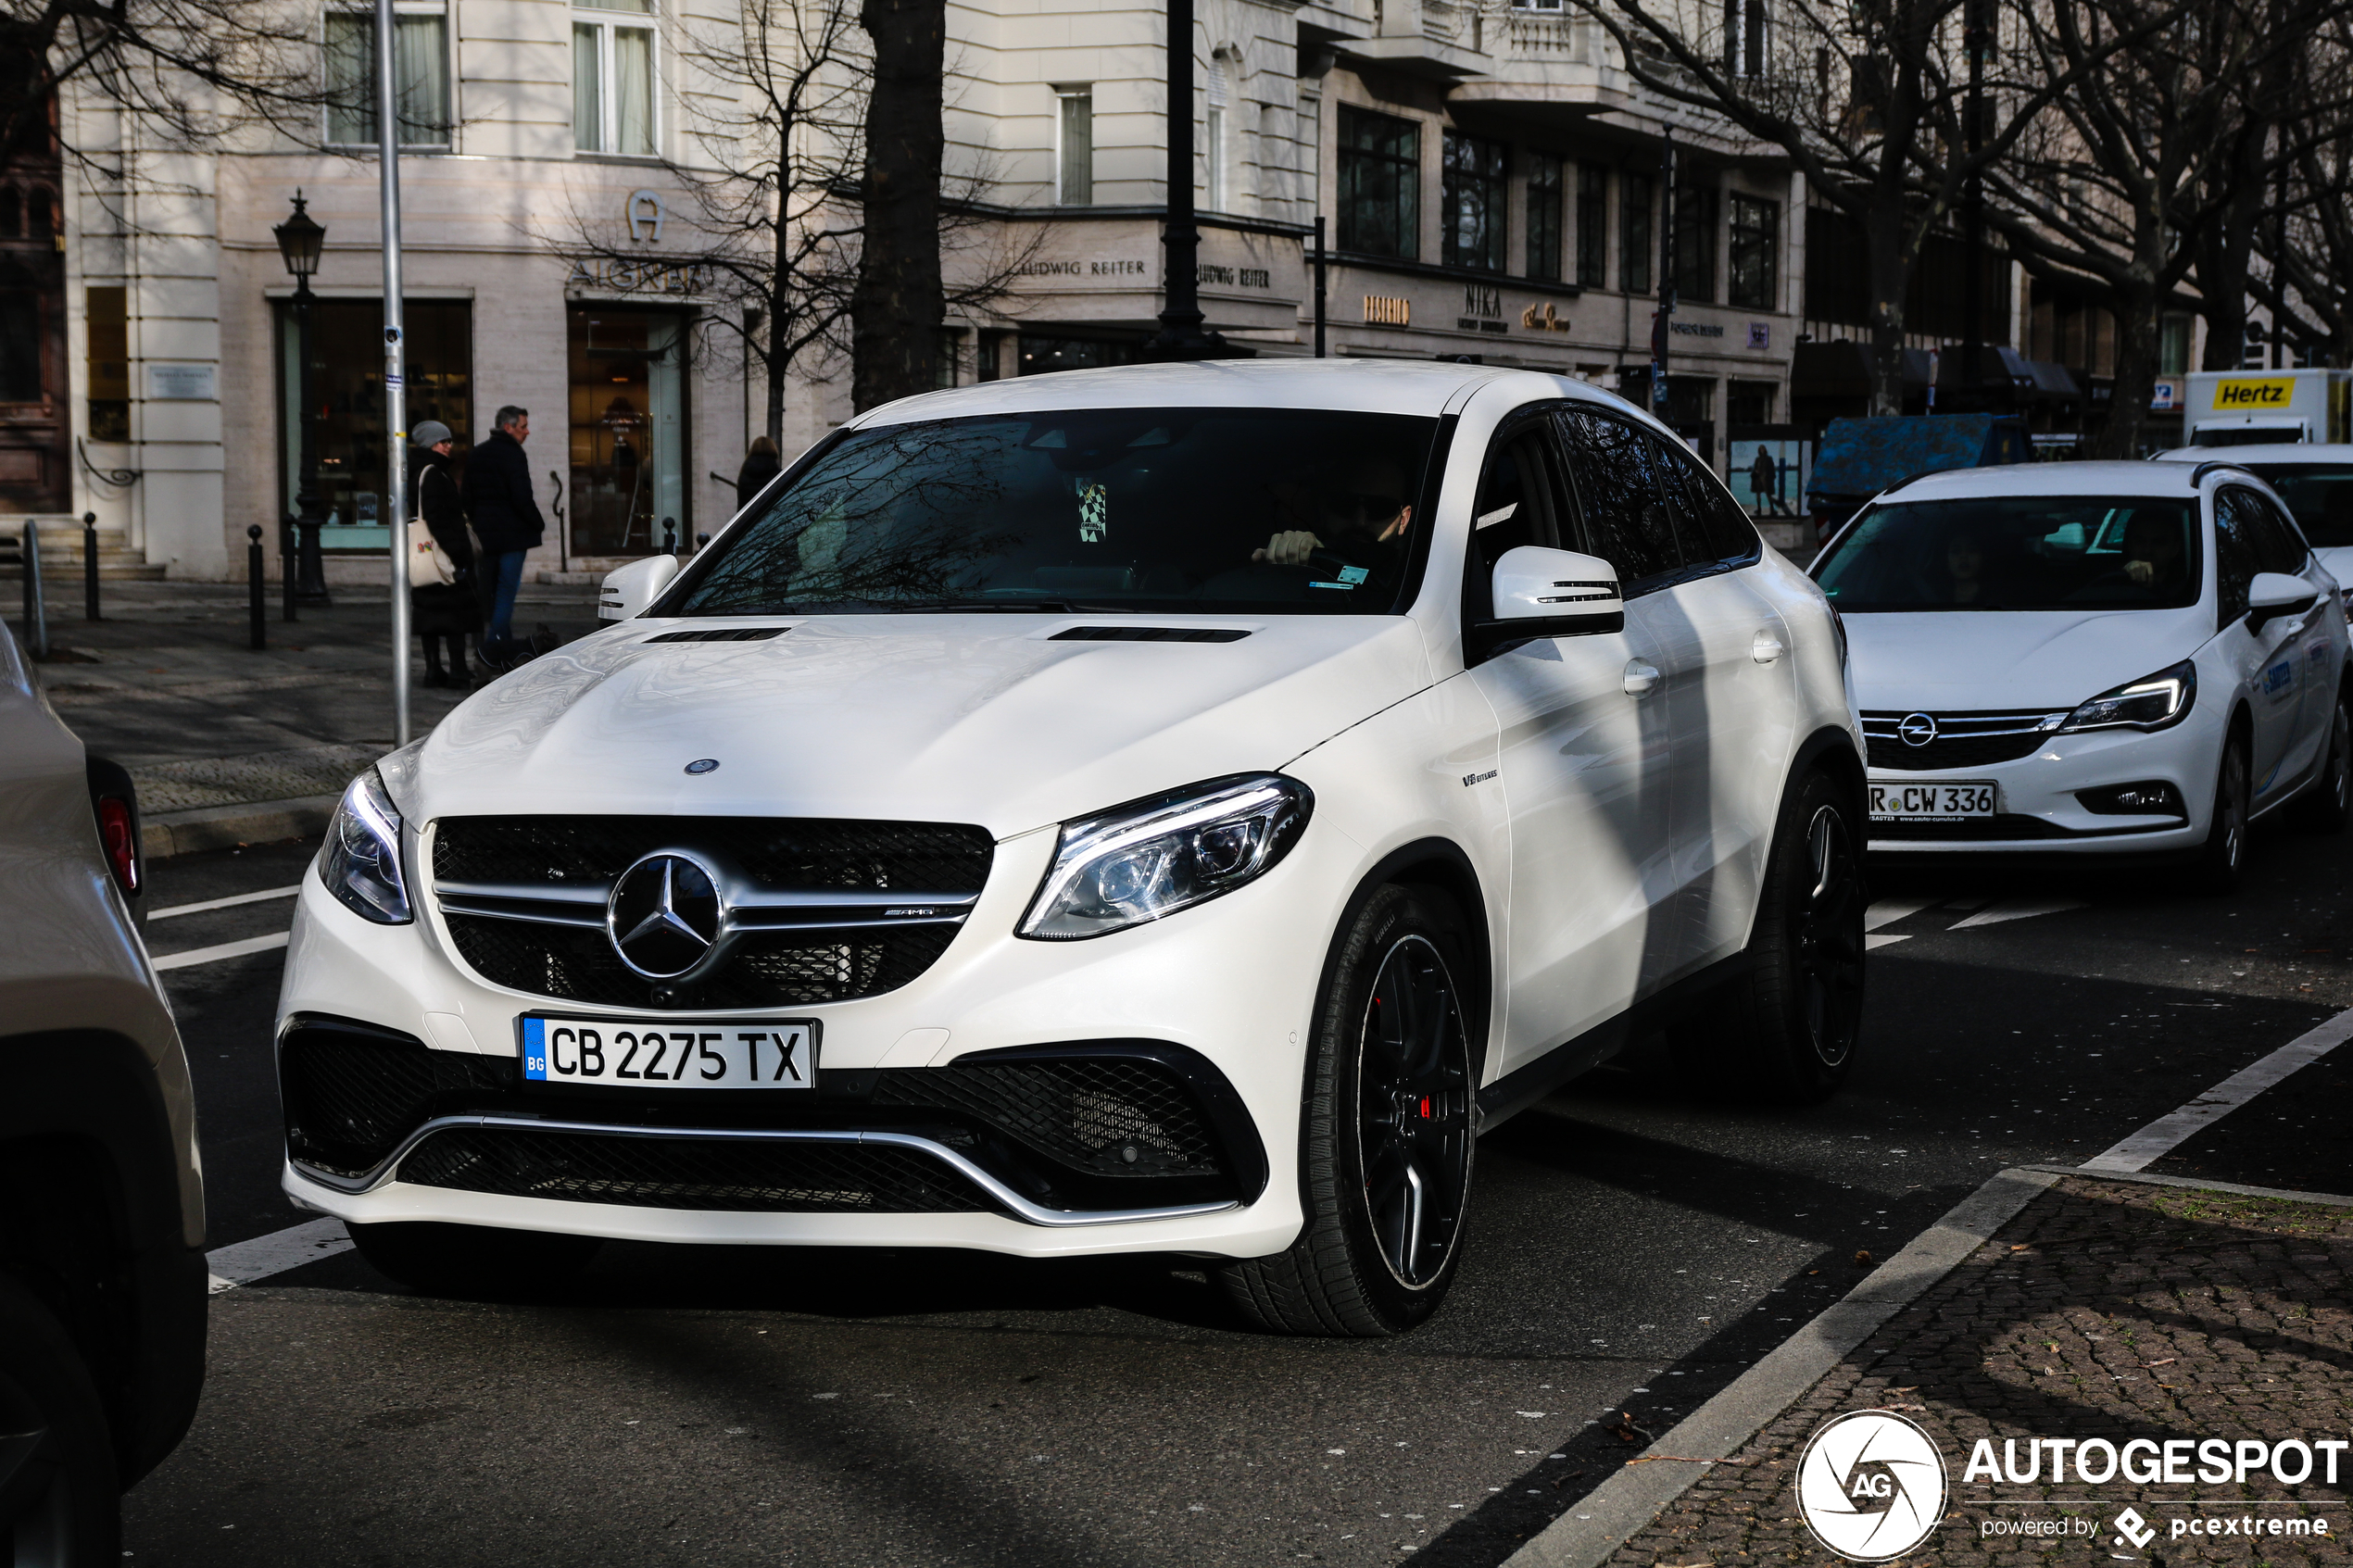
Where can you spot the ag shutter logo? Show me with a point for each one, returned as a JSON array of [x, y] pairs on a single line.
[[1870, 1486]]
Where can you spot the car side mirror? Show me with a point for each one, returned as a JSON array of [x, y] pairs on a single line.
[[1542, 593], [626, 592], [2273, 594]]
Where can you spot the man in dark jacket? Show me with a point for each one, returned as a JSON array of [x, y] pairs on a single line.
[[505, 519]]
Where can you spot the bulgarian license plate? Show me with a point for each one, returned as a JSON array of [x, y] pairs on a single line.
[[1932, 802], [703, 1055]]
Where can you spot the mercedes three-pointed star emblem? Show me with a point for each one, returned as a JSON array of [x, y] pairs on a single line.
[[665, 915]]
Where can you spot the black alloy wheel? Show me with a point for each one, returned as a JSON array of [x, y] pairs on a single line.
[[1412, 1119], [2223, 857], [1386, 1130], [59, 1497], [1786, 1030], [2323, 807]]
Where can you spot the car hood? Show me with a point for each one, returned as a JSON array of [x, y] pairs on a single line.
[[1964, 660], [983, 718]]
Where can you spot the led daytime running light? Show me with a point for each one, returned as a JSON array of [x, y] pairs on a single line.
[[2150, 703], [1152, 858]]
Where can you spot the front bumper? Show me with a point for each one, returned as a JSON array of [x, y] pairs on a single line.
[[2038, 806], [1228, 986]]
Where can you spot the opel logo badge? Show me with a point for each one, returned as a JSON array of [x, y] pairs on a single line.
[[665, 915], [1917, 729]]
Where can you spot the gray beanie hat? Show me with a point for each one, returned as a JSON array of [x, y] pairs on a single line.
[[430, 433]]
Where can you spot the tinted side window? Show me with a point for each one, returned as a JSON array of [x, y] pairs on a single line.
[[2234, 554], [1711, 524], [2278, 546], [1519, 503], [1626, 519]]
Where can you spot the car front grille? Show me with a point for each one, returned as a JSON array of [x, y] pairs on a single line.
[[739, 1176], [1963, 740], [523, 898], [1116, 1116], [352, 1094]]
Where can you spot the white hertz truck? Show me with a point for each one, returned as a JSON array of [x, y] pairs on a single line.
[[2248, 408]]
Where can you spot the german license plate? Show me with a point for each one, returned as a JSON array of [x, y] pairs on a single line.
[[1949, 802], [703, 1055]]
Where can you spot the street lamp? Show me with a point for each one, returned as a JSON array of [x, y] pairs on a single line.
[[300, 240], [1182, 334]]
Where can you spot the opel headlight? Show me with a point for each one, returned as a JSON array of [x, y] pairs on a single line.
[[2150, 703], [360, 862], [1151, 858]]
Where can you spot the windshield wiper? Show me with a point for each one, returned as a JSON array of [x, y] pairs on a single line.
[[1056, 606]]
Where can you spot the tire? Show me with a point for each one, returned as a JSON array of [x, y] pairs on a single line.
[[2322, 808], [2223, 858], [60, 1494], [1785, 1032], [1386, 1134], [472, 1260]]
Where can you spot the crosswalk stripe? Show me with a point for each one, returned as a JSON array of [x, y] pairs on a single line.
[[228, 903], [223, 950], [245, 1261]]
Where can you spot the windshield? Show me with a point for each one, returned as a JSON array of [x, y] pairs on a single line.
[[1222, 511], [2017, 552], [2321, 494]]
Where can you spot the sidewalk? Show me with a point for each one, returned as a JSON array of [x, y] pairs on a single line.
[[231, 746], [2107, 1309]]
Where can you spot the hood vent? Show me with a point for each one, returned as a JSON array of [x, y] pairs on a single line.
[[1149, 635], [723, 634]]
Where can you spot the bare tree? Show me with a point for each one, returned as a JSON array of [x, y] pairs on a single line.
[[2305, 233], [1866, 97]]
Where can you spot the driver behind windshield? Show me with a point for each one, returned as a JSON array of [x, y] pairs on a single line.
[[1356, 511], [2153, 556]]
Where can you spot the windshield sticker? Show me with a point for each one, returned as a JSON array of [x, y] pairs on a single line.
[[1501, 514], [1350, 576], [1094, 512]]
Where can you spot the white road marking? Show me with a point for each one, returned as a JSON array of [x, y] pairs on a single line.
[[246, 1262], [1887, 911], [1869, 942], [221, 950], [231, 902], [2166, 1133], [2017, 908]]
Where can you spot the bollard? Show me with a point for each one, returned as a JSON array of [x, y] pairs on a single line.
[[89, 566], [670, 535], [36, 614], [286, 561], [257, 582], [700, 540]]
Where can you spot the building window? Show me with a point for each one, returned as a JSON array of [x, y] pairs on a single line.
[[420, 73], [108, 325], [1381, 173], [1756, 231], [612, 79], [1214, 152], [1696, 244], [346, 379], [2172, 344], [1636, 203], [1592, 225], [1476, 194], [1547, 215], [1744, 38], [1551, 7], [629, 446], [1074, 147]]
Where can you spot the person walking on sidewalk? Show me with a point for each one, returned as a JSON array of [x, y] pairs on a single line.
[[763, 463], [441, 611], [505, 519]]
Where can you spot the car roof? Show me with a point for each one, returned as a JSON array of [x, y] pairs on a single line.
[[1378, 386], [2266, 454], [2085, 479]]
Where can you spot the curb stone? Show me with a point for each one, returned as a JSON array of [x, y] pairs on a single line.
[[1612, 1512], [167, 833]]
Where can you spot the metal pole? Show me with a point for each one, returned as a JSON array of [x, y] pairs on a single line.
[[286, 566], [36, 613], [1181, 335], [89, 566], [1320, 285], [1661, 323], [396, 367], [310, 566], [1972, 219], [257, 576]]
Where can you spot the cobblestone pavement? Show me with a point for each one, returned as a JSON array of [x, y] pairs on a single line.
[[2104, 1310]]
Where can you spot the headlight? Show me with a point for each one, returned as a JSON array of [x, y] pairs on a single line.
[[1151, 858], [2150, 703], [360, 862]]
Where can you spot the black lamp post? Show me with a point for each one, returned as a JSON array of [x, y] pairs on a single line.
[[300, 240], [1182, 336]]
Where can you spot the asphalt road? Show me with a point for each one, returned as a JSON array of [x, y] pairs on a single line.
[[1633, 1246]]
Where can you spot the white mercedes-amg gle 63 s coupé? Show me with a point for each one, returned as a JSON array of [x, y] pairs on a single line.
[[1165, 810]]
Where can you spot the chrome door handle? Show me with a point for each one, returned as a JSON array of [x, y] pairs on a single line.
[[1767, 647], [1640, 677]]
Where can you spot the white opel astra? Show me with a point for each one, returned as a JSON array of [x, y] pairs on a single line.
[[2120, 659], [1170, 810]]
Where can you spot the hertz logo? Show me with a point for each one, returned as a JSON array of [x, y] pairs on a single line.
[[2271, 391]]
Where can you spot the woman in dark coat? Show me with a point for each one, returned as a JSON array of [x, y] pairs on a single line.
[[761, 464], [441, 611]]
